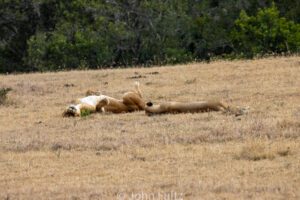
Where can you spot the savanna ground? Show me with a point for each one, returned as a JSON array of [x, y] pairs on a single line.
[[133, 156]]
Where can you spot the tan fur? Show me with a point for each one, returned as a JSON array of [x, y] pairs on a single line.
[[130, 102], [190, 107]]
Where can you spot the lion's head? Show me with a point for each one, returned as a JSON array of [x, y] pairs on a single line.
[[71, 111]]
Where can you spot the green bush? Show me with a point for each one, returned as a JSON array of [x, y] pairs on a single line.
[[3, 94], [68, 49], [177, 55], [265, 33]]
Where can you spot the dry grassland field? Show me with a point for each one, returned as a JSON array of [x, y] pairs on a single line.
[[133, 156]]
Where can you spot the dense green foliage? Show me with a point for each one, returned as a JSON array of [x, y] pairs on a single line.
[[51, 34], [265, 33]]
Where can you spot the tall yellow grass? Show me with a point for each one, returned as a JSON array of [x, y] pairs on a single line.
[[190, 156]]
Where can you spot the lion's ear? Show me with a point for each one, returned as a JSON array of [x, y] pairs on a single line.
[[66, 114], [149, 104], [89, 92], [92, 92]]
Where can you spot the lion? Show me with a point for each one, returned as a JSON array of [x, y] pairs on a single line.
[[192, 107], [130, 102]]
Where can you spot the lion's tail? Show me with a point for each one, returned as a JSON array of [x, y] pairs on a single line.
[[235, 110]]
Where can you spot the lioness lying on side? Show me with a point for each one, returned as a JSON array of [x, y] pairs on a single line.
[[191, 107], [131, 101]]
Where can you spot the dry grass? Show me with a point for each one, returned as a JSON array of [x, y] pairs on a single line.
[[193, 156], [260, 149]]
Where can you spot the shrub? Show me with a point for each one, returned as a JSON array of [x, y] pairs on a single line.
[[3, 94], [265, 33], [68, 48]]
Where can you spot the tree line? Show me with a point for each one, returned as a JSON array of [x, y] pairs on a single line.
[[49, 35]]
